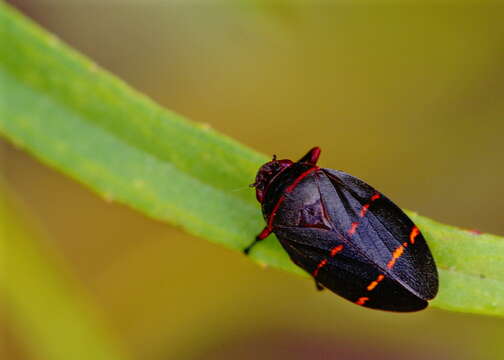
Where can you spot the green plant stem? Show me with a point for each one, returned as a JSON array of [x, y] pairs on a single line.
[[89, 125]]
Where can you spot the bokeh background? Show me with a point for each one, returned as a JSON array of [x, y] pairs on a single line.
[[408, 97]]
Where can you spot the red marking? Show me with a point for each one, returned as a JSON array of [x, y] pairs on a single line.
[[323, 263], [336, 250], [405, 244], [319, 266], [314, 155], [264, 234], [395, 255], [301, 177], [364, 210], [375, 283], [375, 197], [475, 232], [289, 189], [414, 233], [365, 207], [260, 194], [273, 213], [352, 230], [362, 300]]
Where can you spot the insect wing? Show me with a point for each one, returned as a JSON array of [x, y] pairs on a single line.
[[347, 273], [380, 230]]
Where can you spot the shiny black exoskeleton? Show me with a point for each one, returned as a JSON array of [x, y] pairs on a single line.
[[351, 238]]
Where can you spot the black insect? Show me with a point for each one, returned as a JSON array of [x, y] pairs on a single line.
[[351, 238]]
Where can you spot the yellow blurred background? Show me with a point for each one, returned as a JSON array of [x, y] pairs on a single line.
[[408, 97]]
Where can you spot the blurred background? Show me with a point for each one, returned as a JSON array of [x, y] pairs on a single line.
[[408, 97]]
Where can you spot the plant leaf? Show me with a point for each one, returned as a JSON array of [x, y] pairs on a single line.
[[91, 126], [471, 267]]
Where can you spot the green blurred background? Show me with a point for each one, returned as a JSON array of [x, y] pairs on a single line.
[[408, 97]]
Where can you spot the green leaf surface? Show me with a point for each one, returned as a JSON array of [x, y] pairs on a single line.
[[86, 123], [50, 313]]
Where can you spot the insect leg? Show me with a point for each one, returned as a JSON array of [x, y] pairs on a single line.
[[318, 285], [263, 235]]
